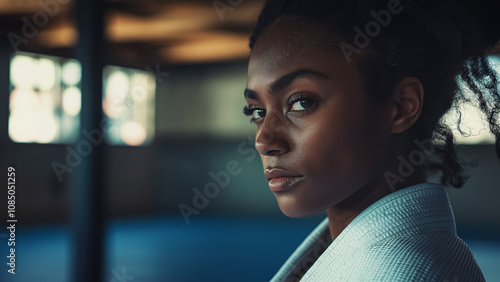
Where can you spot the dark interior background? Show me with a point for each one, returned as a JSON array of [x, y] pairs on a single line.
[[199, 128]]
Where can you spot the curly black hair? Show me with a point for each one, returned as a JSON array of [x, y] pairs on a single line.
[[441, 42]]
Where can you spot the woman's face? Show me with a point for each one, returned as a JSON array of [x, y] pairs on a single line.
[[319, 136]]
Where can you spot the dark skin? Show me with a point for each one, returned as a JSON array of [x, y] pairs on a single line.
[[315, 120]]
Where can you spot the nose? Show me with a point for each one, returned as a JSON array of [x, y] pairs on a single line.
[[271, 138]]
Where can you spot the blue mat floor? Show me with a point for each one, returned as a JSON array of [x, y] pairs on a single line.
[[166, 249]]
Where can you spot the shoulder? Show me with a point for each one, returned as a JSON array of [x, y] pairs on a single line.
[[436, 256]]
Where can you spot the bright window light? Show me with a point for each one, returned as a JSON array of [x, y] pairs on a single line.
[[36, 114], [46, 100], [473, 121], [72, 101], [72, 73], [128, 103]]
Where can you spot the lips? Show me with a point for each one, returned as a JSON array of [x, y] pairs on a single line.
[[280, 180]]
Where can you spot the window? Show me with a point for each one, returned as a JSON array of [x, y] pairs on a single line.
[[473, 121], [45, 101], [128, 103]]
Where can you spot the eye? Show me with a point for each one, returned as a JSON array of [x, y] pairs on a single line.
[[258, 113], [255, 113], [301, 105]]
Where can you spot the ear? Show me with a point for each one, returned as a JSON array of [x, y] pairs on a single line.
[[408, 98]]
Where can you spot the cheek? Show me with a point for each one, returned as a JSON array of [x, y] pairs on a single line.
[[340, 152]]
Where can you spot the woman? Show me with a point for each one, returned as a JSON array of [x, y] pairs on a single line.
[[347, 97]]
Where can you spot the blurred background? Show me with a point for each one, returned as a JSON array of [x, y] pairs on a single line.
[[182, 191]]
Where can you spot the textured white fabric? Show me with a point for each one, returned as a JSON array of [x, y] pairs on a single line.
[[409, 235]]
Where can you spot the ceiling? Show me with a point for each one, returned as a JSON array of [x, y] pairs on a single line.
[[148, 31]]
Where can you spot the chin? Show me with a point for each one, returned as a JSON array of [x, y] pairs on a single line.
[[296, 209]]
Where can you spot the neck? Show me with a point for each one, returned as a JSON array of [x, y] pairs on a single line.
[[340, 215]]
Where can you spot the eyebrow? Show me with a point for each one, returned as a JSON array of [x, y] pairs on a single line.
[[284, 81]]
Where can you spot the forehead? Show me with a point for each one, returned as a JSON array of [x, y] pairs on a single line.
[[284, 43], [286, 46]]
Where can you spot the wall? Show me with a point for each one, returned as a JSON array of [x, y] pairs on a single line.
[[201, 129]]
